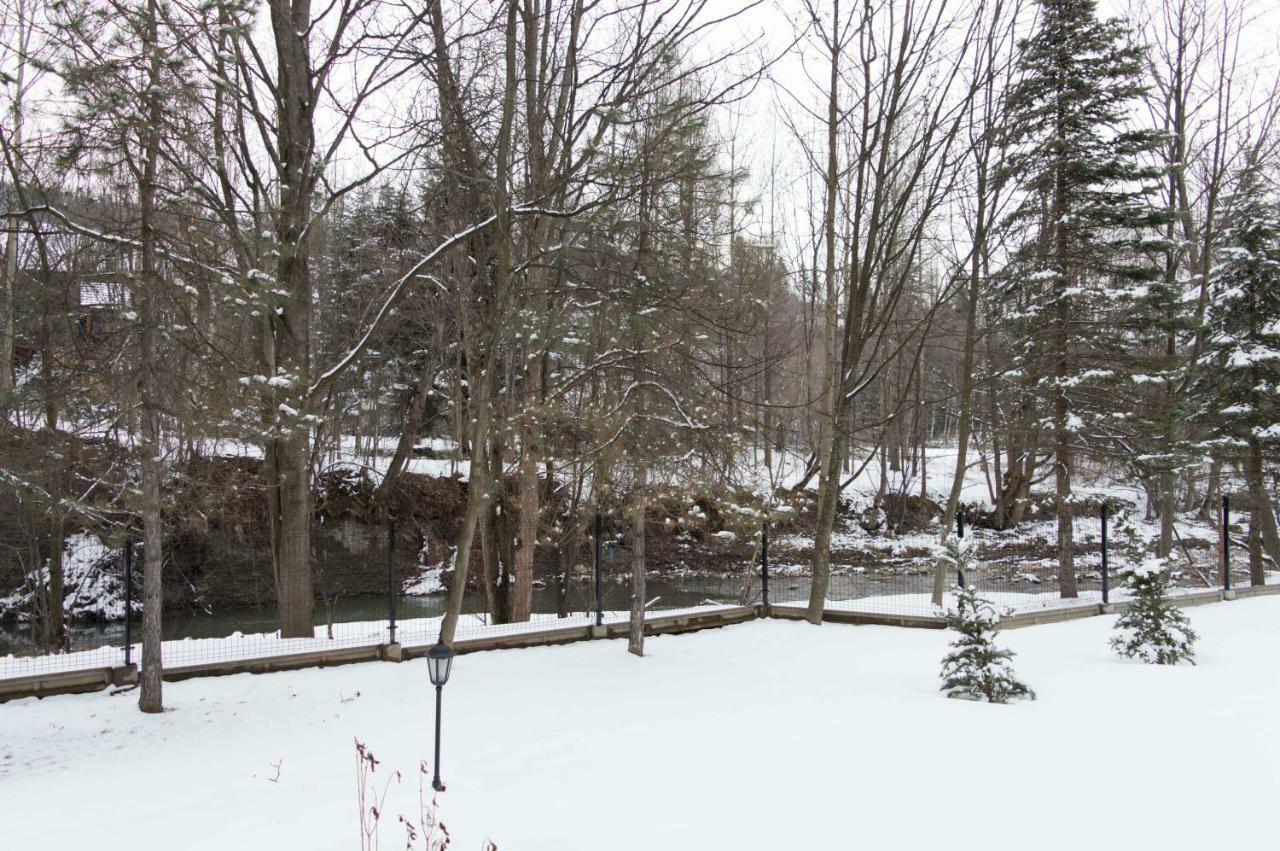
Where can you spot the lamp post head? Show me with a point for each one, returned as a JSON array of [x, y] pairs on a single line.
[[439, 661]]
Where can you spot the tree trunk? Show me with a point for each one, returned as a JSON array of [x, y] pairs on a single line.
[[477, 503], [1168, 488], [828, 502], [1062, 490], [1257, 574], [150, 694], [497, 583], [829, 477], [635, 637], [567, 553], [287, 333], [522, 588], [292, 544], [1062, 409], [748, 592], [1263, 511], [55, 630], [409, 427], [483, 349], [8, 292], [1212, 493], [965, 424]]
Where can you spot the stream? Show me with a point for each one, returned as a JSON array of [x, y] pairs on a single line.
[[663, 594]]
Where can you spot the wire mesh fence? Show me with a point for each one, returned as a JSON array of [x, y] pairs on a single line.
[[379, 584], [1020, 569], [65, 608]]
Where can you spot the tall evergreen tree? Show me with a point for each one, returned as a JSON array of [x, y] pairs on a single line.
[[1238, 388], [1086, 266], [129, 80]]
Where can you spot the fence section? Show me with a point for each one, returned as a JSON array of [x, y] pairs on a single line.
[[1020, 569], [379, 585], [93, 586]]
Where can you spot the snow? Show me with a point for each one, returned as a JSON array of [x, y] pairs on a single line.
[[941, 465], [103, 294], [430, 581], [347, 455], [1248, 356], [1271, 432], [765, 735], [1148, 567], [93, 591], [430, 578]]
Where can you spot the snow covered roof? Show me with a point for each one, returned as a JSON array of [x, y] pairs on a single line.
[[103, 294]]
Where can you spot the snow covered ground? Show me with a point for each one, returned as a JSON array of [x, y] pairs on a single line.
[[768, 735]]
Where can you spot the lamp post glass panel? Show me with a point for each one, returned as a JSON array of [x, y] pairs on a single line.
[[439, 661]]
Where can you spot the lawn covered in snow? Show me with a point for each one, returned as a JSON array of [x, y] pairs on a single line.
[[767, 735]]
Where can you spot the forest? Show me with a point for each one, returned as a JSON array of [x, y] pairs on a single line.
[[489, 268]]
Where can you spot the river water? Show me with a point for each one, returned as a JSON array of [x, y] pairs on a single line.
[[662, 594]]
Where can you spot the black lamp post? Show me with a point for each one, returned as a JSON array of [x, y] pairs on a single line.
[[439, 661]]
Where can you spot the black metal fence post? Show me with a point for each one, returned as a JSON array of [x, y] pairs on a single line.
[[128, 602], [391, 579], [764, 565], [1106, 576], [599, 590], [1226, 543], [960, 536]]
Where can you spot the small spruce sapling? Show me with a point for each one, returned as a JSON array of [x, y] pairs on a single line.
[[1152, 628], [976, 668]]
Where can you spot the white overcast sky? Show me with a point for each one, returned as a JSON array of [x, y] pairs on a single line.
[[761, 134]]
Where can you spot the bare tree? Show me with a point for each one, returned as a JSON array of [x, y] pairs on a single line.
[[904, 122]]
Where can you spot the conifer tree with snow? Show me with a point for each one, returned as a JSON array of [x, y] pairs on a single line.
[[1238, 386], [1089, 211], [976, 668], [1151, 629]]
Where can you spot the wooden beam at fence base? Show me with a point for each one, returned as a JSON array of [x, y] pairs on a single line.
[[511, 641], [124, 675], [1256, 591], [653, 625], [863, 618], [271, 664], [1070, 613], [62, 682], [1182, 601], [688, 622]]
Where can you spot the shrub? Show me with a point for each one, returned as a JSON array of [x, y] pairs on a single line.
[[1152, 628], [976, 668]]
